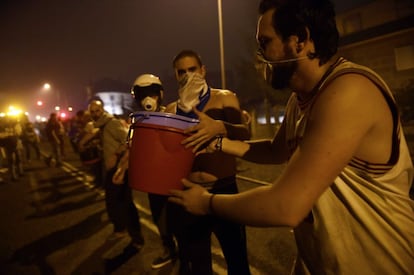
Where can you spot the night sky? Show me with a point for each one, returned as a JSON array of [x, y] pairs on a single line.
[[73, 43]]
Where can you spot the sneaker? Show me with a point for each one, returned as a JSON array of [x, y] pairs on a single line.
[[117, 235], [162, 260]]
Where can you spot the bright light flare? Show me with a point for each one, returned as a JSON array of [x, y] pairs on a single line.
[[46, 86], [13, 111]]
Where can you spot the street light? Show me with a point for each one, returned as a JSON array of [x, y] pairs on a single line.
[[223, 71], [48, 87]]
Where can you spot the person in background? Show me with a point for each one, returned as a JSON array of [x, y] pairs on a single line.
[[31, 140], [75, 128], [90, 149], [148, 93], [217, 171], [120, 206], [10, 132], [54, 133], [345, 187]]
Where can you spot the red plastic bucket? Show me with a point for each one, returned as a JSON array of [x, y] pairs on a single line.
[[157, 160]]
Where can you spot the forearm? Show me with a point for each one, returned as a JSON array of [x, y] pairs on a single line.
[[236, 148], [124, 161], [264, 212], [236, 131], [260, 151]]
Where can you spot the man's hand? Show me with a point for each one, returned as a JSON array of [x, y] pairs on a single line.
[[195, 198], [204, 132], [119, 175]]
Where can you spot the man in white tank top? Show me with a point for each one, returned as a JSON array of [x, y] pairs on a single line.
[[345, 189]]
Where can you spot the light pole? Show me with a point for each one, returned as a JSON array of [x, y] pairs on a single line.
[[221, 41]]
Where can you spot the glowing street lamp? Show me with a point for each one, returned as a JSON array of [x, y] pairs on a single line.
[[46, 86]]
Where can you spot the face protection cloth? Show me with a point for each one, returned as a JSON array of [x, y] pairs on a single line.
[[192, 88]]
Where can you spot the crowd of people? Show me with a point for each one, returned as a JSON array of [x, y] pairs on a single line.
[[345, 188], [19, 144]]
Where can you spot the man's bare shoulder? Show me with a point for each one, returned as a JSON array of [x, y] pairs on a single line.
[[222, 93], [224, 98]]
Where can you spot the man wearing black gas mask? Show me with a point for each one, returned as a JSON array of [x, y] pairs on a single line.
[[148, 93]]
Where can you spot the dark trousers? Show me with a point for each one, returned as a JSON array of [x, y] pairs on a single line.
[[28, 145], [158, 205], [121, 208], [193, 234]]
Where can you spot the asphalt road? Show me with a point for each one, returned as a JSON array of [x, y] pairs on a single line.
[[54, 222]]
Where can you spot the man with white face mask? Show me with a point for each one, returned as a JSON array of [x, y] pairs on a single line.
[[213, 171]]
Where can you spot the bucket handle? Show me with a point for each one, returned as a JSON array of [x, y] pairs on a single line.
[[133, 121]]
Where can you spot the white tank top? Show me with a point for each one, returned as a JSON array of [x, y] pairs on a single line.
[[363, 223]]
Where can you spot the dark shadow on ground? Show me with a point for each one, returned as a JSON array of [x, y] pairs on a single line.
[[37, 252]]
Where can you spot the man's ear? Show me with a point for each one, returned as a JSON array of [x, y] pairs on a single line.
[[305, 43], [299, 46], [161, 95], [295, 44]]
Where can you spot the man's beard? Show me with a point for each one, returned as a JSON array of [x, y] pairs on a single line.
[[281, 74]]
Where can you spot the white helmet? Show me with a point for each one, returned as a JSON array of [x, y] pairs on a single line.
[[147, 80], [145, 88]]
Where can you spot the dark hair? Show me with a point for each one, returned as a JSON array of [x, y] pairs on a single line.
[[187, 53], [96, 98], [292, 17], [80, 113]]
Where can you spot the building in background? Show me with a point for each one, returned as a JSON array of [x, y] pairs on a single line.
[[380, 35], [115, 95]]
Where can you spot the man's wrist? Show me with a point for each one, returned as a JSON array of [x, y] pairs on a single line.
[[219, 143], [210, 209]]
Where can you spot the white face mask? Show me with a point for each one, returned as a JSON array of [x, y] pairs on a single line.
[[192, 87], [149, 104]]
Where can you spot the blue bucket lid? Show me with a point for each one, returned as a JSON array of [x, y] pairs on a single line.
[[163, 119]]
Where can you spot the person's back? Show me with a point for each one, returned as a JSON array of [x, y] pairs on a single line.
[[54, 128], [29, 133], [54, 133], [30, 139]]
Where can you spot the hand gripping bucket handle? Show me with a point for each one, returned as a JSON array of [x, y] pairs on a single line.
[[131, 127]]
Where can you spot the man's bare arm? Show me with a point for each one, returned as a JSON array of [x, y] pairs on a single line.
[[340, 122]]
